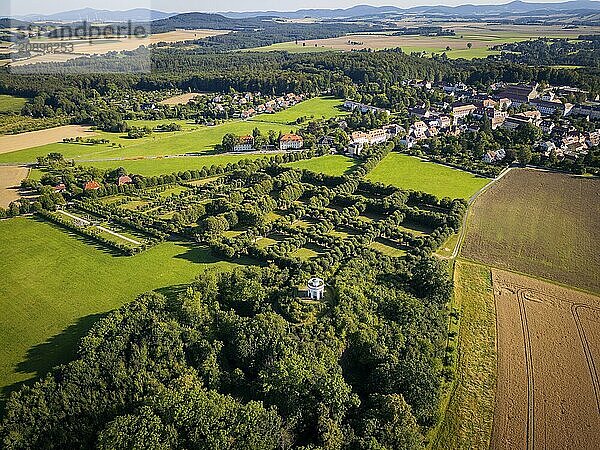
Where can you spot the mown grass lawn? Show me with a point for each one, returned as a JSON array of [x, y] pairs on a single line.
[[55, 286], [10, 103], [318, 108], [408, 172], [335, 165], [468, 416]]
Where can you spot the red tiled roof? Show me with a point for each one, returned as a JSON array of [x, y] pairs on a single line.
[[91, 185], [291, 137], [124, 180]]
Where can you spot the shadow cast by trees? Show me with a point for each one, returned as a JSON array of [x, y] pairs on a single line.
[[42, 358], [81, 238], [201, 254]]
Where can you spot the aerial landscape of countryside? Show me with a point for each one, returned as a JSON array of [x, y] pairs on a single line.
[[300, 225]]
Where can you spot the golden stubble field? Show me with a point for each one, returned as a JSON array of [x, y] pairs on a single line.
[[182, 99], [13, 142], [10, 180], [548, 345], [479, 35]]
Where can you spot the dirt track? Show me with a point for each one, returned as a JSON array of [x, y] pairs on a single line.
[[13, 142], [10, 180], [548, 393]]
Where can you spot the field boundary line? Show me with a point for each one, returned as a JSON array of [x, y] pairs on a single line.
[[534, 277]]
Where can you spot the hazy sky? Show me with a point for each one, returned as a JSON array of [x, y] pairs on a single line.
[[22, 7]]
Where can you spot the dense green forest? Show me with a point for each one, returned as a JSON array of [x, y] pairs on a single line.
[[222, 366]]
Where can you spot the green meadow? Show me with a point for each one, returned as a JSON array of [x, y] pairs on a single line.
[[318, 108], [335, 165], [55, 285], [408, 172], [10, 103], [191, 139]]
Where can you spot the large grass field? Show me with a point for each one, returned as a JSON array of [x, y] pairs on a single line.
[[539, 223], [197, 140], [467, 419], [10, 103], [318, 108], [408, 172], [55, 286], [335, 165]]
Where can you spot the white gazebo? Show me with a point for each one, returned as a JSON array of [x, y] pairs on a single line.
[[316, 288]]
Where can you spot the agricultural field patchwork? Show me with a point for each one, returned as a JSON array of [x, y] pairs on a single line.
[[481, 37], [540, 223], [408, 172], [87, 47]]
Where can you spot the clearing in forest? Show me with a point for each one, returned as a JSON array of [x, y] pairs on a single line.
[[540, 223], [548, 393]]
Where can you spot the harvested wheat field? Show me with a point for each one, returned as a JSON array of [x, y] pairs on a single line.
[[540, 223], [10, 180], [13, 142], [182, 99], [548, 394]]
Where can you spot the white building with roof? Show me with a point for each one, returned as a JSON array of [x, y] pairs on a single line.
[[316, 288]]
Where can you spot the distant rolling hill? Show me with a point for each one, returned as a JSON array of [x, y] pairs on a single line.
[[99, 15], [515, 7]]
